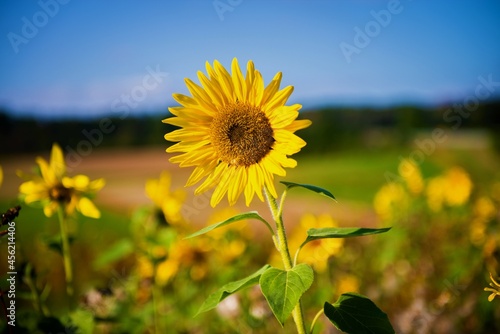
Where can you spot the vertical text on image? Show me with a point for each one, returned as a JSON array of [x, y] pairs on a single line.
[[11, 274]]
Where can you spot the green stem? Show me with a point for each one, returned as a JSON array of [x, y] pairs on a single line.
[[68, 270], [155, 296], [282, 246], [35, 295], [319, 314]]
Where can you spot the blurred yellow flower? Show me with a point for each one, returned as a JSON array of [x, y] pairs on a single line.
[[1, 176], [477, 231], [485, 208], [317, 252], [186, 254], [54, 189], [459, 186], [347, 283], [412, 176], [144, 267], [451, 189], [158, 190], [230, 241], [391, 202]]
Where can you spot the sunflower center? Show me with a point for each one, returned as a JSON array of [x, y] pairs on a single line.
[[241, 134], [60, 194]]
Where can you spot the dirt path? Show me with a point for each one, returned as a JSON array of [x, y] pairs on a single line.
[[126, 172]]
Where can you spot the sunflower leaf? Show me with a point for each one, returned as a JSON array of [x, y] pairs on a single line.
[[117, 251], [341, 232], [356, 314], [283, 288], [215, 298], [316, 189], [242, 216]]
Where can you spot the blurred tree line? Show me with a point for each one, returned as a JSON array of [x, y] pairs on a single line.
[[334, 128]]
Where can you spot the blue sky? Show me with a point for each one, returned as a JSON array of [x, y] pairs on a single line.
[[64, 58]]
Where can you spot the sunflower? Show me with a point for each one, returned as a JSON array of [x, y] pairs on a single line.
[[235, 132], [170, 202], [53, 188]]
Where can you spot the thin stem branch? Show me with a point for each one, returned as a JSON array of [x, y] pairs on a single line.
[[282, 246], [316, 317], [155, 296], [68, 268]]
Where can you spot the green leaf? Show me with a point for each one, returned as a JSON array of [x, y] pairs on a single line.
[[341, 232], [242, 216], [356, 314], [230, 288], [115, 252], [55, 243], [283, 289], [83, 320], [316, 189]]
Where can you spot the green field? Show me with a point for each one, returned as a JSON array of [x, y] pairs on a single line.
[[354, 177]]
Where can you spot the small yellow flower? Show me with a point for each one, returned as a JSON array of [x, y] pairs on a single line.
[[54, 189], [495, 289], [231, 241], [451, 189], [158, 190], [184, 254], [484, 208], [237, 133], [459, 187], [1, 175], [391, 202], [436, 193], [347, 283], [412, 176]]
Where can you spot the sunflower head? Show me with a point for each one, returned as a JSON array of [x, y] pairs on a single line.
[[54, 189], [236, 132]]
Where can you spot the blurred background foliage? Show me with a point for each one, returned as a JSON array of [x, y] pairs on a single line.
[[334, 128], [134, 272]]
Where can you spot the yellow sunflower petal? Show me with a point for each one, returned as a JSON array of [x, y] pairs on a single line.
[[225, 82], [279, 99], [222, 187], [212, 180], [57, 163], [50, 208], [88, 209], [97, 184], [271, 89], [200, 172], [47, 173], [283, 116], [238, 81], [211, 89], [201, 97], [237, 185], [298, 125]]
